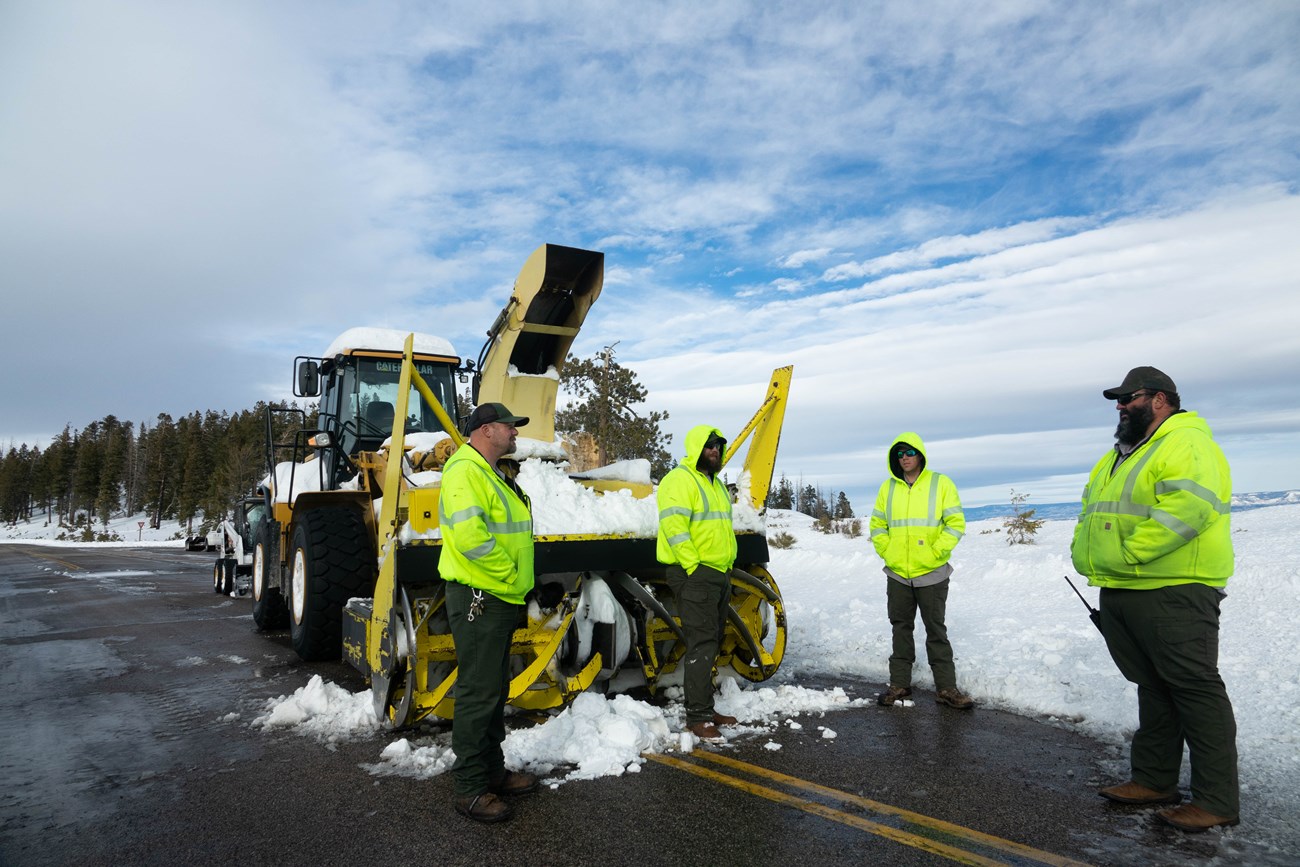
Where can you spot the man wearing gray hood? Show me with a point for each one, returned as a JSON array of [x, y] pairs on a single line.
[[916, 524]]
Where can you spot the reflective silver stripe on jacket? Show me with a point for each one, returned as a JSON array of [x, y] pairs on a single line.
[[691, 514], [1125, 505], [508, 526], [932, 509]]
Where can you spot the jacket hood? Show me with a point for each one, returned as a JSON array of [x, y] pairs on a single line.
[[906, 438], [695, 441], [1182, 419]]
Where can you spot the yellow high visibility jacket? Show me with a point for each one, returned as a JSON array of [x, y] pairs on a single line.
[[487, 529], [1162, 516], [915, 529], [695, 513]]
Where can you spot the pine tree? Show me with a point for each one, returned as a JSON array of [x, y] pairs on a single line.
[[1021, 526], [842, 507], [159, 473], [605, 393], [113, 451], [782, 496]]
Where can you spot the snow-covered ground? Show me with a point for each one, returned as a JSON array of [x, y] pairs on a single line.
[[1023, 643]]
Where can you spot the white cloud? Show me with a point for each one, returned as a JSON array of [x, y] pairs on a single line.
[[954, 220]]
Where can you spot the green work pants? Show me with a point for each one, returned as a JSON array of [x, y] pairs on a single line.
[[482, 686], [703, 598], [1167, 642], [932, 601]]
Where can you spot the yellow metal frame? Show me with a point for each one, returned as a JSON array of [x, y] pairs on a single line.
[[760, 462]]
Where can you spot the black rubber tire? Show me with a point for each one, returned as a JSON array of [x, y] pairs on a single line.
[[227, 575], [269, 610], [332, 559], [216, 576]]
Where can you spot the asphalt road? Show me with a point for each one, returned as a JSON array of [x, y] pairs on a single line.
[[127, 689]]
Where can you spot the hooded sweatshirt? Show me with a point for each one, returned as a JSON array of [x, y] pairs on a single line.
[[695, 512], [915, 528]]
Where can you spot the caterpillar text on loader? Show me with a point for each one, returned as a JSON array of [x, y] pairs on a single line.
[[363, 544]]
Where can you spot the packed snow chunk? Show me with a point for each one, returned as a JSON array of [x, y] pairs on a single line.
[[636, 470], [772, 745], [827, 734], [600, 737], [427, 758], [323, 711], [768, 702], [292, 479], [561, 505]]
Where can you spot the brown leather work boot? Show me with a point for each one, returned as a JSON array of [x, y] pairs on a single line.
[[515, 783], [1136, 793], [485, 807], [954, 697], [722, 719], [707, 732], [1189, 817], [893, 694]]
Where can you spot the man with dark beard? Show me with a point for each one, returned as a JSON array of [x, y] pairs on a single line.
[[1155, 536], [697, 544]]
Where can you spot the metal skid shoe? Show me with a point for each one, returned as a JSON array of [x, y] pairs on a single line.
[[392, 682], [417, 667]]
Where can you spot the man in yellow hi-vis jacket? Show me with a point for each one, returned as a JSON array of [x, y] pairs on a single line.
[[697, 541], [487, 562], [914, 527], [1155, 536]]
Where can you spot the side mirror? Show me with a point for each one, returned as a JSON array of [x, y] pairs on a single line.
[[308, 379]]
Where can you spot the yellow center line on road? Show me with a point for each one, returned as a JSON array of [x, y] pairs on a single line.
[[32, 552], [1019, 852], [961, 856]]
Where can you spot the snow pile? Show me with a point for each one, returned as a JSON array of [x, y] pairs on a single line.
[[564, 506], [593, 737], [322, 711]]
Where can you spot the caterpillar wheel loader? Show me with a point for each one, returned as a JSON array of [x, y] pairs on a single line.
[[600, 616]]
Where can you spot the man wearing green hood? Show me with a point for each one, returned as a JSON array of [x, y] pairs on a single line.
[[915, 526], [697, 542]]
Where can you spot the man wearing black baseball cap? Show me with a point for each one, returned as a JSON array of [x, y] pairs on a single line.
[[1155, 536], [487, 562], [488, 413]]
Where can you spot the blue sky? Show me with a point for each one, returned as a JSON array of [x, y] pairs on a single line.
[[964, 219]]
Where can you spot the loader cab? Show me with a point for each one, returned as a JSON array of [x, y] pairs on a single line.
[[360, 398], [250, 512], [357, 381]]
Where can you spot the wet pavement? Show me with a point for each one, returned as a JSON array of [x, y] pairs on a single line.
[[127, 689]]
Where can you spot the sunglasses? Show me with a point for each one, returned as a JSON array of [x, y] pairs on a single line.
[[906, 453], [1126, 399], [716, 444]]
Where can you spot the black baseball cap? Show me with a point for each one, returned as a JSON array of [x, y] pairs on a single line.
[[1139, 378], [487, 413]]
